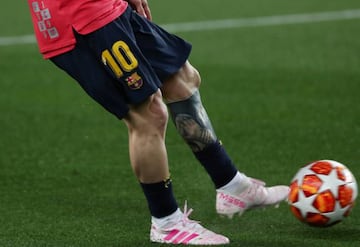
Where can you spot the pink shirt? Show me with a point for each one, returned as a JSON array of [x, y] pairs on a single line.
[[55, 20]]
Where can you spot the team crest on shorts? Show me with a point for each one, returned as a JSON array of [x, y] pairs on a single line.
[[134, 81]]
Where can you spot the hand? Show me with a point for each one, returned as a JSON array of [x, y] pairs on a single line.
[[141, 7]]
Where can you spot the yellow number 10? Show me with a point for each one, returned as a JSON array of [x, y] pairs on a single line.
[[120, 59]]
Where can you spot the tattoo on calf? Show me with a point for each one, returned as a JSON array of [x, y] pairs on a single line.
[[197, 136], [192, 122]]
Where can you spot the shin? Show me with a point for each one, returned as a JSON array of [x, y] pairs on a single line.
[[192, 122]]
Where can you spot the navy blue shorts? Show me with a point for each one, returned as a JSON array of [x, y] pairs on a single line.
[[124, 62]]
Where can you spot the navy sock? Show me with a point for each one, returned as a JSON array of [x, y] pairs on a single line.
[[217, 163], [160, 198]]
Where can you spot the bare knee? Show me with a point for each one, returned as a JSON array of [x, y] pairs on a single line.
[[147, 125], [149, 117], [194, 78], [182, 84]]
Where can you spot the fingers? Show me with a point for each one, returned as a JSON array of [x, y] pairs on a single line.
[[147, 10], [141, 7]]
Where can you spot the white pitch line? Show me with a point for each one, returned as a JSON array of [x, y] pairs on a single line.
[[17, 40], [229, 23], [264, 21]]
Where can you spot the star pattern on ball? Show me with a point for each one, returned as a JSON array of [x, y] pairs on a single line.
[[331, 182], [322, 193], [299, 177], [337, 214], [305, 204]]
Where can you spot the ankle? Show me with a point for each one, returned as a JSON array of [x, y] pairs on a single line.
[[168, 220], [237, 185]]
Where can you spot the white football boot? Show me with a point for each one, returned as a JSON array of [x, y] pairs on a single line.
[[181, 230], [254, 194]]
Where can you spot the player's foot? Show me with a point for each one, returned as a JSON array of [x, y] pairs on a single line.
[[254, 196], [185, 231]]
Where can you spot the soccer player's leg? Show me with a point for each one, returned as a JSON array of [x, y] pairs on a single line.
[[147, 125], [235, 191], [146, 120], [193, 124]]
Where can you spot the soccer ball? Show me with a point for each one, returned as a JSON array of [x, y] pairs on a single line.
[[322, 193]]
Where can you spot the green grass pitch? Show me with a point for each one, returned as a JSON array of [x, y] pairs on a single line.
[[279, 97]]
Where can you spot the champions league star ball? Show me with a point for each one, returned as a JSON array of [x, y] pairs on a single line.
[[322, 193]]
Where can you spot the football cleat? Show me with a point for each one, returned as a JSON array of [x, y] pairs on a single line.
[[256, 195], [186, 231]]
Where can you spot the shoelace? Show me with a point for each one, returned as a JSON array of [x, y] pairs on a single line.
[[185, 217], [254, 189], [258, 182]]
